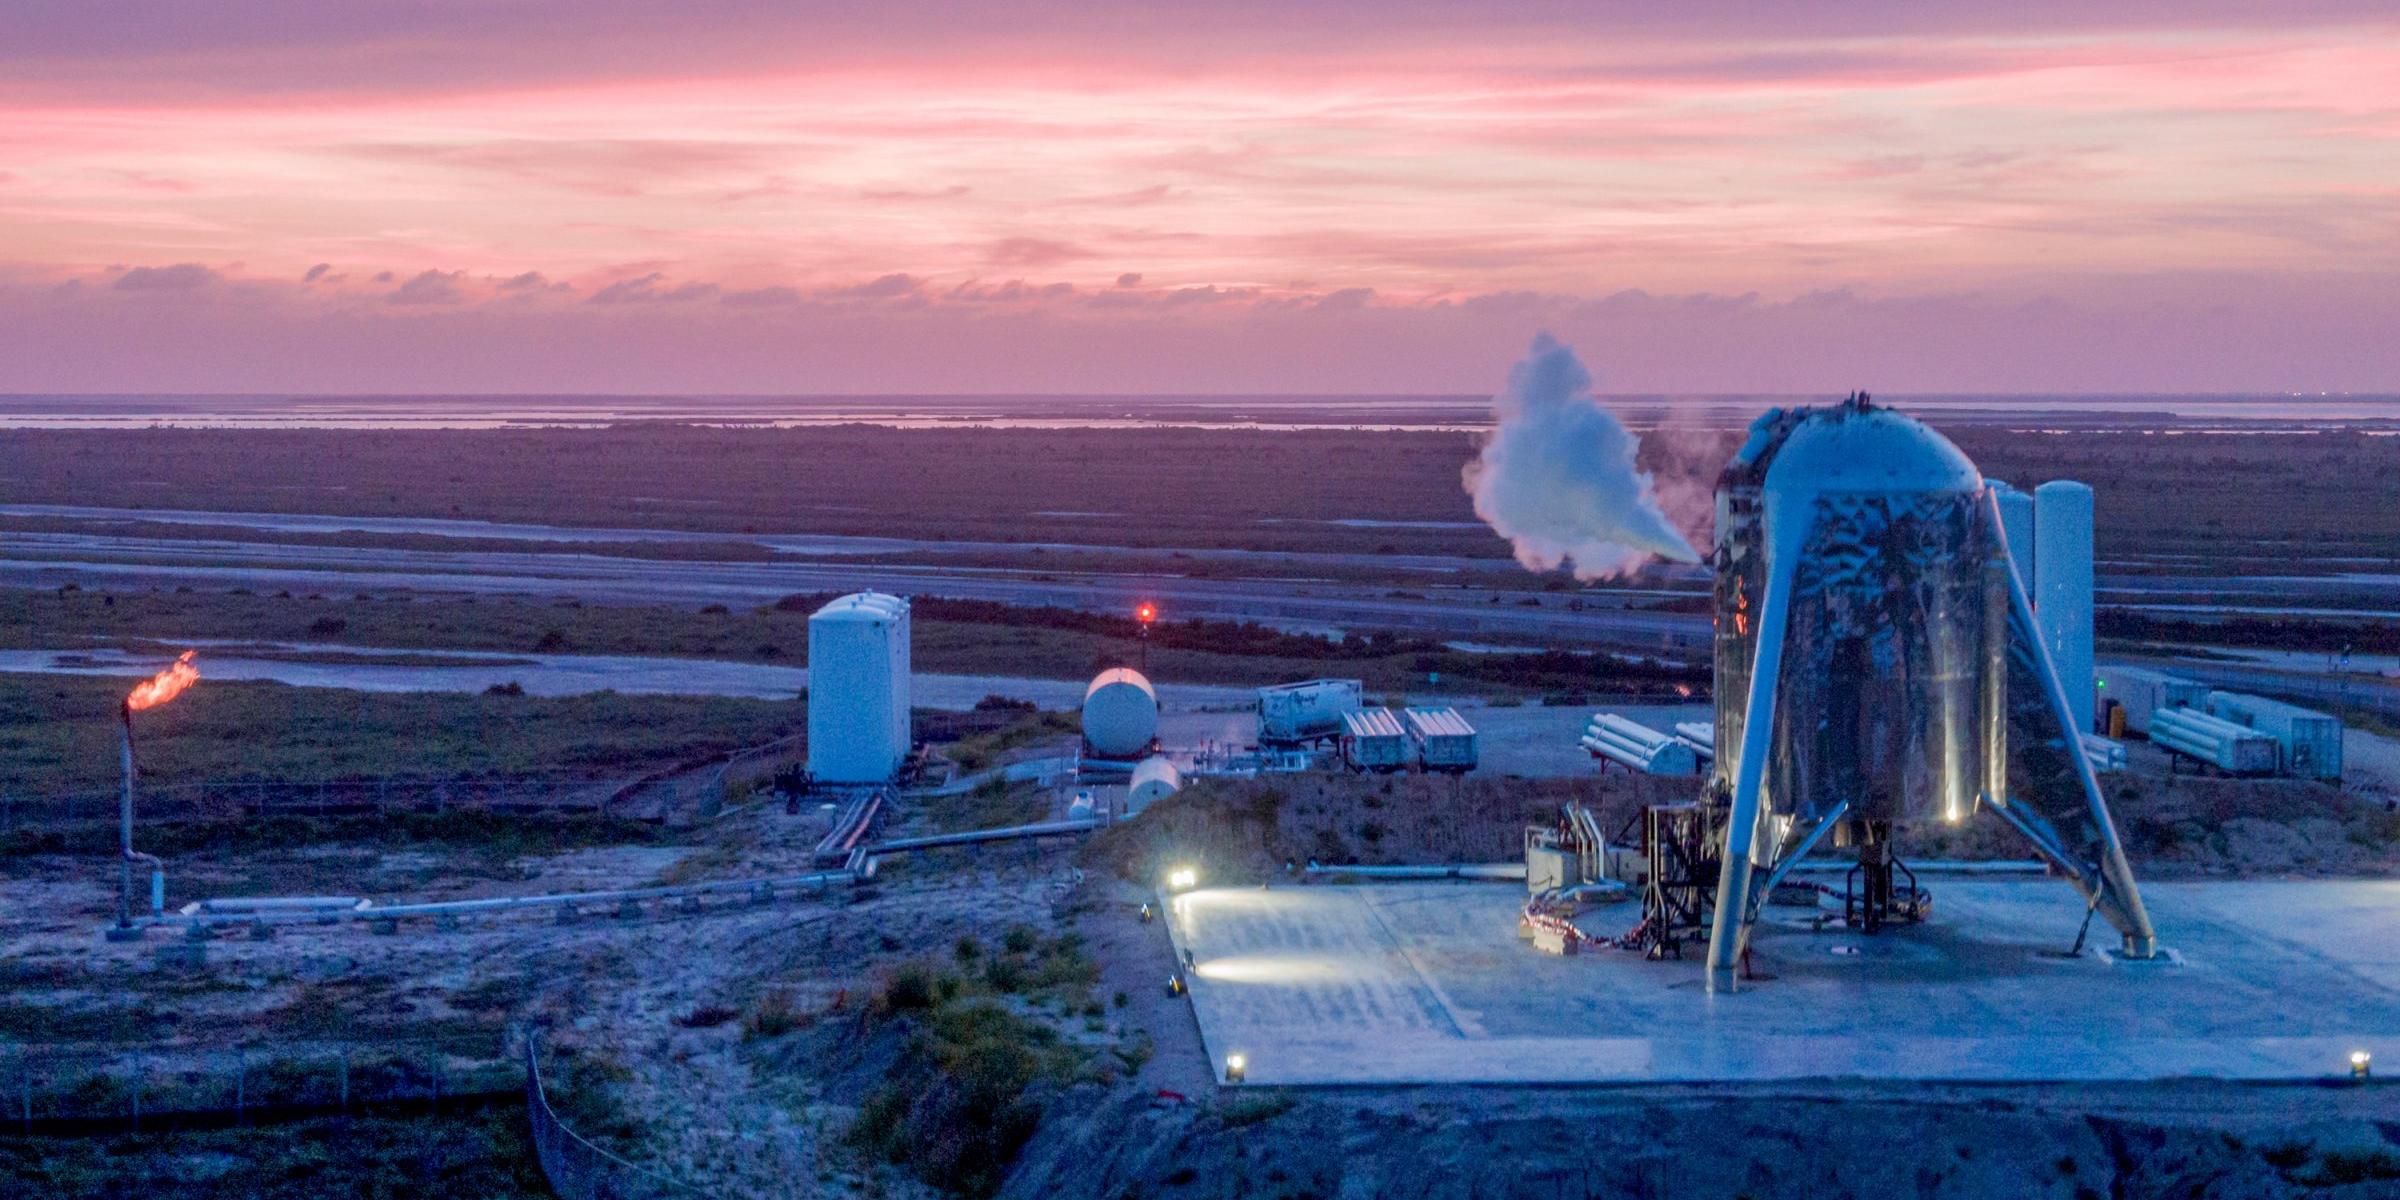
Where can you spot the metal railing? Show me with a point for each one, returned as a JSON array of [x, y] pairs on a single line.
[[577, 1168]]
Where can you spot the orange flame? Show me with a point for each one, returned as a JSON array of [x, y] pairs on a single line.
[[166, 685]]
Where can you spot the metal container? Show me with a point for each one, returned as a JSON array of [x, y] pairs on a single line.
[[2229, 747], [1120, 713], [2142, 691], [2308, 743], [1311, 710], [1154, 779], [858, 695], [1372, 740], [1444, 740], [1612, 738]]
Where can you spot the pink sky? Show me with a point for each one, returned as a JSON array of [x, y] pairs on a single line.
[[605, 196]]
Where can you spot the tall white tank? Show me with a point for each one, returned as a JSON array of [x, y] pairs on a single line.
[[2017, 530], [2062, 588], [858, 719], [1120, 713]]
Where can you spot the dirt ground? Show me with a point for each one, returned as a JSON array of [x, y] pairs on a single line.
[[660, 1016]]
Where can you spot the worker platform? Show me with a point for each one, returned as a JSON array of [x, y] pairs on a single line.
[[1427, 983]]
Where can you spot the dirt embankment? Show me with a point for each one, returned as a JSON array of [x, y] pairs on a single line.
[[1503, 1144]]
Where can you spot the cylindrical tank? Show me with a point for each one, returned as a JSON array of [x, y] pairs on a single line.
[[1154, 779], [1896, 617], [2062, 588], [1120, 713], [858, 716], [2017, 526]]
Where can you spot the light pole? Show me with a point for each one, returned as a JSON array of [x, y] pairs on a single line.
[[1143, 614]]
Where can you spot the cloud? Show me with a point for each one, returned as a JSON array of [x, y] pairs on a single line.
[[1032, 252], [384, 277], [651, 289], [765, 297], [316, 272], [181, 277], [532, 281], [1129, 279], [429, 288], [886, 287]]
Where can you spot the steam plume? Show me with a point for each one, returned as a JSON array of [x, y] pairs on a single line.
[[1556, 477]]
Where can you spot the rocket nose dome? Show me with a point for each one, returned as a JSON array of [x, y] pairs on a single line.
[[1856, 449]]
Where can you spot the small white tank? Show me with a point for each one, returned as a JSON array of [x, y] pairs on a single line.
[[1154, 779], [1120, 713]]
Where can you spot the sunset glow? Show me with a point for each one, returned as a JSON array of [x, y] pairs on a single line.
[[775, 206]]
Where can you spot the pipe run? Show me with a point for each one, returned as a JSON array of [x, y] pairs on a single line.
[[201, 915], [1486, 872]]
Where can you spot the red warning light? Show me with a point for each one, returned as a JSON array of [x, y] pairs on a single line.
[[1145, 612]]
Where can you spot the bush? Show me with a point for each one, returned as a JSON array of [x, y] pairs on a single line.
[[775, 1015]]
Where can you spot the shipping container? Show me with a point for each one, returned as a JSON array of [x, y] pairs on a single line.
[[1372, 740], [1444, 740], [2141, 691], [2308, 743], [1291, 714], [2233, 749]]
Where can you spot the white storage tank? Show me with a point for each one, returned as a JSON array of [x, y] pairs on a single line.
[[1120, 713], [2308, 743], [1444, 740], [2016, 529], [1154, 779], [1372, 740], [2234, 749], [858, 720], [1291, 713], [2062, 596]]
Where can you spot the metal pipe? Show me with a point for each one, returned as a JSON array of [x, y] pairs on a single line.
[[1726, 929], [127, 855], [1487, 871], [971, 836], [372, 912]]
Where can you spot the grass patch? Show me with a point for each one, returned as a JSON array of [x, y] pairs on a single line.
[[1253, 1108], [485, 1154], [977, 1065], [58, 734]]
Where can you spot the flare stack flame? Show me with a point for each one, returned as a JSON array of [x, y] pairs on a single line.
[[166, 685]]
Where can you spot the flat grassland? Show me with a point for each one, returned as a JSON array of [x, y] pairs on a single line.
[[2165, 489]]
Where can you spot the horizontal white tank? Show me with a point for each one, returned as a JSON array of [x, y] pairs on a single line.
[[1120, 713], [858, 697], [2308, 742], [1637, 746], [1700, 735], [1154, 779], [2105, 754], [2232, 748], [1306, 711]]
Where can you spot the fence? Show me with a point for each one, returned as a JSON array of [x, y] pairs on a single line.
[[577, 1169], [84, 1090], [344, 797]]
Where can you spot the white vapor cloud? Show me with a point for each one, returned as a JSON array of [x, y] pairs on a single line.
[[1556, 475]]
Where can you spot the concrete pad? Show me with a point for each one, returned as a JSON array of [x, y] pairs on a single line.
[[1429, 983]]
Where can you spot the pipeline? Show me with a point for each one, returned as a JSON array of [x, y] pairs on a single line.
[[319, 910], [1486, 872]]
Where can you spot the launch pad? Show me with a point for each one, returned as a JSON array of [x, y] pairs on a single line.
[[1410, 984]]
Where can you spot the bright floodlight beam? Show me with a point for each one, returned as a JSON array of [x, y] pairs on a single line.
[[150, 693], [1183, 879], [1237, 1067]]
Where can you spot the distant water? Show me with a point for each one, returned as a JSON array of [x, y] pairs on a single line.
[[2251, 413]]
